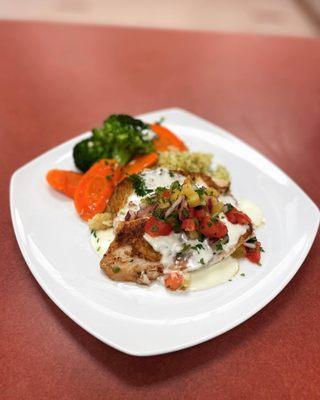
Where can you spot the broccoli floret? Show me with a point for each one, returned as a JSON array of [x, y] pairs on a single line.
[[87, 152], [121, 138]]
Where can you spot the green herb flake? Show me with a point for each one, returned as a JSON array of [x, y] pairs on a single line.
[[139, 185], [197, 247], [214, 217], [201, 191], [242, 274], [175, 186], [116, 269], [202, 261], [228, 207]]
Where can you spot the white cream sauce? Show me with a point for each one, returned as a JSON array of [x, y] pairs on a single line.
[[160, 177], [198, 257], [214, 275], [153, 178], [253, 211], [226, 198], [169, 246], [101, 240], [235, 231], [200, 279], [133, 204]]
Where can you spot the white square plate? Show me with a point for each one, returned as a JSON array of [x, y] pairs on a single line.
[[146, 321]]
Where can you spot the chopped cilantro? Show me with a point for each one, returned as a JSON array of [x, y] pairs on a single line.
[[228, 207], [175, 185], [201, 191], [139, 185], [159, 190], [158, 213], [214, 217], [197, 247]]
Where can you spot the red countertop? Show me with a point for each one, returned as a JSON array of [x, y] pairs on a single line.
[[59, 80]]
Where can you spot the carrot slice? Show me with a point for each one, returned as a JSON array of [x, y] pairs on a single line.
[[166, 139], [138, 163], [96, 188], [64, 181]]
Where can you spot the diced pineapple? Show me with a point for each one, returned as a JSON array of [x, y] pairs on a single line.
[[217, 207], [164, 204], [187, 189], [194, 200], [212, 192]]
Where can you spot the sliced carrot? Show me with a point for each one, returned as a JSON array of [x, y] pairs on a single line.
[[138, 163], [64, 181], [167, 140], [96, 188]]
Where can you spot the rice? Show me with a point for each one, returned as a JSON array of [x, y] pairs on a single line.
[[192, 162], [186, 161]]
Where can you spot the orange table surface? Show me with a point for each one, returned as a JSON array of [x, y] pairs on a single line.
[[59, 80]]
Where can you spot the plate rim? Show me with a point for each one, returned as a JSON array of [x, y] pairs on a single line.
[[253, 310]]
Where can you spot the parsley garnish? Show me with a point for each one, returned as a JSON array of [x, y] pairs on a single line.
[[201, 191], [197, 247], [158, 213], [139, 185], [229, 207], [175, 185], [214, 217]]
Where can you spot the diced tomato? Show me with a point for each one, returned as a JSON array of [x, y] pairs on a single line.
[[254, 255], [213, 229], [188, 225], [199, 213], [238, 217], [166, 194], [174, 280], [155, 227]]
